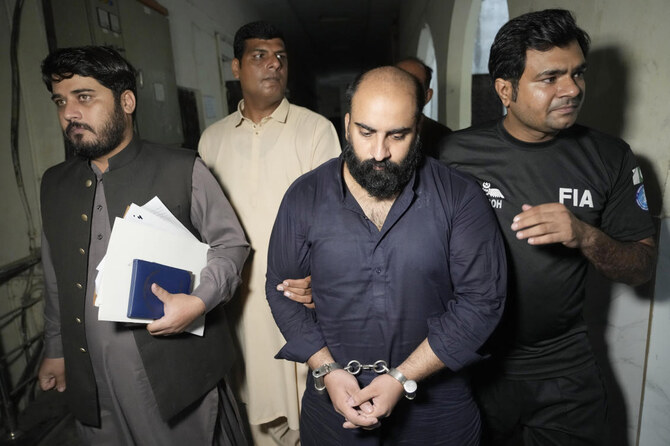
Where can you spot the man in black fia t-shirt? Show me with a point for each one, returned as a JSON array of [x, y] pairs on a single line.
[[564, 196]]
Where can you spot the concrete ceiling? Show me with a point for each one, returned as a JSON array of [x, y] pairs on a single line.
[[332, 37]]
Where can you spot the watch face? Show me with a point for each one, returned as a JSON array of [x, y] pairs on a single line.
[[410, 386]]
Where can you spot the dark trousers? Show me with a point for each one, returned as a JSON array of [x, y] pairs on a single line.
[[564, 411]]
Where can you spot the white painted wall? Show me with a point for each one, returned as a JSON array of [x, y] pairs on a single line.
[[654, 427], [195, 27], [437, 14]]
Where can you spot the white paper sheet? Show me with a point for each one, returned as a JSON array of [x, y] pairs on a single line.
[[154, 213], [130, 240]]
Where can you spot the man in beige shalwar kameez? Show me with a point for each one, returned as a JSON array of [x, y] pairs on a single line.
[[256, 153]]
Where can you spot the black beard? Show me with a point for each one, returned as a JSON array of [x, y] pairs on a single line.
[[387, 182], [109, 136]]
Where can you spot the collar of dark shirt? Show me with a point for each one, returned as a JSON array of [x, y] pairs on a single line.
[[125, 156], [402, 202]]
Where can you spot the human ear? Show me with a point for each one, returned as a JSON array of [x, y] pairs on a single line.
[[505, 90], [429, 95], [347, 117], [128, 102], [235, 66]]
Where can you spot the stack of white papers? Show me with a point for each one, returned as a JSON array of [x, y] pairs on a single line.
[[151, 233]]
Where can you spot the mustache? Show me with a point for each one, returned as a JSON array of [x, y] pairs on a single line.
[[384, 164], [573, 102], [77, 125]]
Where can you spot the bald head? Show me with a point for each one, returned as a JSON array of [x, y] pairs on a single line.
[[382, 130], [391, 82], [418, 69], [422, 72]]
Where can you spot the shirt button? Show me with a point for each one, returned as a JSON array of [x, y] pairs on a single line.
[[88, 183], [79, 285], [99, 236], [99, 207], [378, 270], [82, 349], [84, 217], [81, 251], [77, 320]]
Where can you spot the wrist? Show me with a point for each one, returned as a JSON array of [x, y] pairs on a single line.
[[209, 293], [408, 385], [588, 236], [320, 373]]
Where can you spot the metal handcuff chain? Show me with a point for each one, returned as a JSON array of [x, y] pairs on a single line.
[[354, 367]]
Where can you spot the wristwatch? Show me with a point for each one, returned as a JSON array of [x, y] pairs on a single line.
[[321, 372], [409, 385]]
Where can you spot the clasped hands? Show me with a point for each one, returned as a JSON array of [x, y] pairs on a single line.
[[364, 407]]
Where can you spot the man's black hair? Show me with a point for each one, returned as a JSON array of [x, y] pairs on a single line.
[[102, 63], [541, 31], [419, 95], [426, 68], [254, 30]]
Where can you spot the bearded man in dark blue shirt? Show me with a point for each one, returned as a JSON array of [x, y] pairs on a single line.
[[408, 280]]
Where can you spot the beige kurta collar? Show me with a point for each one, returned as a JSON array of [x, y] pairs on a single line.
[[280, 114]]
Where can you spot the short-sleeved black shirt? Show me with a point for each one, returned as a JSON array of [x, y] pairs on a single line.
[[596, 177]]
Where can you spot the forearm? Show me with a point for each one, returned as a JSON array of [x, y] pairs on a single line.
[[53, 345], [475, 301], [288, 256], [221, 277], [421, 363], [214, 218], [320, 358], [628, 262], [296, 323]]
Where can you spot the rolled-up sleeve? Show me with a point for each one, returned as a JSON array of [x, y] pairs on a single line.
[[213, 216], [478, 270], [288, 256]]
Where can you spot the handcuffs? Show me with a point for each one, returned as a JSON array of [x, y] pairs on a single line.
[[354, 367]]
